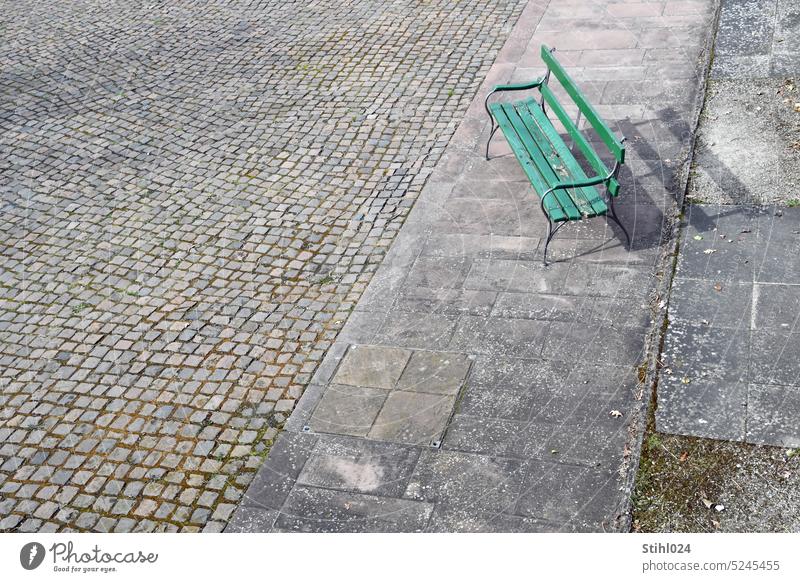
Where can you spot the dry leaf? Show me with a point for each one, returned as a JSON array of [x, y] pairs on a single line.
[[709, 251], [685, 380], [615, 413], [706, 502], [684, 456], [698, 237], [718, 287]]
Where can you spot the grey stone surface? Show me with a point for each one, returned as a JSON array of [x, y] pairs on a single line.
[[775, 358], [776, 307], [567, 494], [757, 38], [435, 373], [312, 509], [540, 436], [360, 465], [413, 417], [372, 366], [710, 303], [475, 483], [730, 355], [710, 408], [348, 410], [773, 414]]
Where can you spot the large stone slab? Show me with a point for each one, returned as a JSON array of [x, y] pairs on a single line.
[[372, 366], [730, 353], [359, 465], [413, 417], [349, 410]]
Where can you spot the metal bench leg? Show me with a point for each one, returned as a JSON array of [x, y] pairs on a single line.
[[551, 233], [491, 135], [613, 216], [547, 242]]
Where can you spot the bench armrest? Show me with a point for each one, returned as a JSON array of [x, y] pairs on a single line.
[[577, 184], [519, 86], [581, 183]]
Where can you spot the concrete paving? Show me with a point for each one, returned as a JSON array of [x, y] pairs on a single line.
[[473, 389], [757, 38], [747, 148], [730, 355], [730, 352]]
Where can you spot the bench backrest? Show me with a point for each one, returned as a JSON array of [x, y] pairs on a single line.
[[609, 138]]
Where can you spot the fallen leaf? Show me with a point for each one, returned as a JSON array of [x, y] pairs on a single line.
[[615, 413], [685, 380], [684, 456], [706, 502], [718, 287], [553, 452], [709, 251], [715, 523], [719, 507], [698, 237]]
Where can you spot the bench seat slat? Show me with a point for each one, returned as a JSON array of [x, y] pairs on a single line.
[[552, 207], [546, 160], [560, 150], [533, 149], [587, 199]]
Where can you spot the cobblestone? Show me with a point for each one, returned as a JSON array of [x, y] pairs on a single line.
[[194, 197]]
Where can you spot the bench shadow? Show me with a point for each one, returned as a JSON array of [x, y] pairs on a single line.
[[699, 219]]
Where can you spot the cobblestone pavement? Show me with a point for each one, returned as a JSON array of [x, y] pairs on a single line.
[[194, 196]]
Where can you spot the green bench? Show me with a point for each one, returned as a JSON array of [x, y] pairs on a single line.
[[565, 191]]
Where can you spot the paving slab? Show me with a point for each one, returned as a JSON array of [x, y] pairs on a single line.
[[730, 352], [757, 38], [372, 366], [515, 408], [435, 373]]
